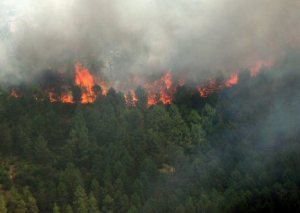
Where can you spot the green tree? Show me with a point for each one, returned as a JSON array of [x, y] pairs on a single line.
[[95, 188], [31, 205], [30, 201], [16, 202], [142, 98], [92, 204], [56, 208], [80, 201], [62, 194], [69, 209], [108, 203], [40, 151], [6, 141], [3, 208]]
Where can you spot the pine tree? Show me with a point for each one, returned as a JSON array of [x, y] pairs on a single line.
[[20, 207], [95, 188], [30, 201], [17, 204], [80, 201], [69, 209], [5, 139], [40, 150], [108, 203], [31, 205], [93, 206], [3, 208], [56, 209]]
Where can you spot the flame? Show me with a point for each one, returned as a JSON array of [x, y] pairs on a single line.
[[160, 90], [15, 94], [258, 66], [86, 82], [167, 79], [52, 97], [67, 98], [104, 87], [233, 80], [214, 86], [210, 88], [131, 98]]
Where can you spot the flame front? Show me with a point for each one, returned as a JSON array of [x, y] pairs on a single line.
[[161, 90]]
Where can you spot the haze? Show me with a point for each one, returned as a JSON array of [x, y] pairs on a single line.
[[116, 37]]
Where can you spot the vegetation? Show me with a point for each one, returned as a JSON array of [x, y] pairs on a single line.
[[235, 151]]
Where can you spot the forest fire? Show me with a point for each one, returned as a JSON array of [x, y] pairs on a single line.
[[52, 97], [258, 66], [233, 80], [158, 91], [214, 86], [67, 98], [131, 98], [86, 82]]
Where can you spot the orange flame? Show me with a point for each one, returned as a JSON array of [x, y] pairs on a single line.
[[258, 66], [52, 97], [104, 87], [67, 98], [131, 98], [214, 86], [209, 89], [233, 80], [86, 82], [160, 90]]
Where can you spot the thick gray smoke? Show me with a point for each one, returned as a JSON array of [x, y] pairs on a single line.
[[143, 36]]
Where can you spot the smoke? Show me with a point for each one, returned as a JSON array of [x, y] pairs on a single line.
[[117, 38]]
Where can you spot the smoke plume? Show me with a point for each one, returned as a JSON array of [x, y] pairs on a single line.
[[118, 38]]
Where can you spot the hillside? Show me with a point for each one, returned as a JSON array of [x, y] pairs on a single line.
[[237, 150]]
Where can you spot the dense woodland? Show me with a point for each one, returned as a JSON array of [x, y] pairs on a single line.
[[237, 150]]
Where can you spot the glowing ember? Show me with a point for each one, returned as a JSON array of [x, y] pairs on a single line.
[[258, 66]]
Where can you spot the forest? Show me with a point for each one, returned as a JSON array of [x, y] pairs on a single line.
[[237, 150]]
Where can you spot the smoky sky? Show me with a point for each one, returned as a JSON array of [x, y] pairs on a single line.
[[117, 38]]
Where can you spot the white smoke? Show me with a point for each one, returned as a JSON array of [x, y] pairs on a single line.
[[144, 36]]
